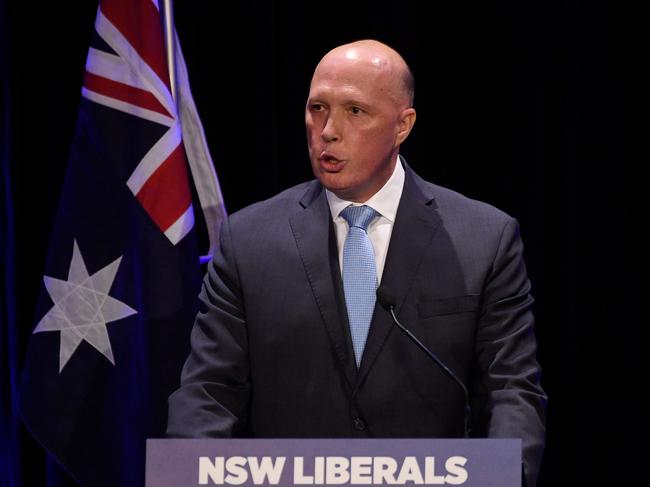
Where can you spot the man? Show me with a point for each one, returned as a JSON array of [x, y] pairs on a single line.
[[290, 341]]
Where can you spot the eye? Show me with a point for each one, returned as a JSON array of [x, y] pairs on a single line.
[[355, 110], [316, 107]]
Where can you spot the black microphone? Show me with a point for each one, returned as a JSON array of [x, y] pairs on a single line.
[[387, 300]]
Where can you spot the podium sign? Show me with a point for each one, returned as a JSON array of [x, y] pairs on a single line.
[[299, 462]]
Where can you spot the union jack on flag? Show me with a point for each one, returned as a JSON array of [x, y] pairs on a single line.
[[130, 74], [120, 285]]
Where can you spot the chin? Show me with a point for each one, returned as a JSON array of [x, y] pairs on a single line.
[[332, 181]]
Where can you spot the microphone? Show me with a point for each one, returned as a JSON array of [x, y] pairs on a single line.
[[387, 300]]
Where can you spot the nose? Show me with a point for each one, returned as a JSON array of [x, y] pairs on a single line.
[[330, 131]]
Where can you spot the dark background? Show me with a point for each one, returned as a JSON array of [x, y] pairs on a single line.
[[520, 104]]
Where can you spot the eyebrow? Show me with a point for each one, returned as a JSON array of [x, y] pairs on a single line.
[[345, 101]]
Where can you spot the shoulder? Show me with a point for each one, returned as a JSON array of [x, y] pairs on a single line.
[[475, 227], [279, 207], [477, 232], [456, 204], [456, 207], [260, 238]]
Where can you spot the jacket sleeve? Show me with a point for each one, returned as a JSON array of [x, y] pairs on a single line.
[[213, 397], [508, 401]]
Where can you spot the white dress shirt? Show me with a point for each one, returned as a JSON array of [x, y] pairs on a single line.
[[385, 202]]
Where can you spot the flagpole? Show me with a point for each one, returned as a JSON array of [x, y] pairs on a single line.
[[169, 44], [194, 141]]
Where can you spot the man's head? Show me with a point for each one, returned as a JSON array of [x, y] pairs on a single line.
[[358, 113]]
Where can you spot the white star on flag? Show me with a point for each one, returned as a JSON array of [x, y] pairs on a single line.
[[82, 307]]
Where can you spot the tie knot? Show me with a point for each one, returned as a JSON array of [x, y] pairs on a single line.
[[359, 216]]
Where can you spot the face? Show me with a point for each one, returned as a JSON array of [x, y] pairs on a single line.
[[355, 124]]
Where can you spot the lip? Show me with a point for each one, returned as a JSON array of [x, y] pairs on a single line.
[[330, 162]]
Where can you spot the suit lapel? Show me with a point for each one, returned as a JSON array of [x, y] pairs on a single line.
[[313, 232], [416, 223]]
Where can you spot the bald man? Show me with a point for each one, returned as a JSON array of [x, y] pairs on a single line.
[[290, 340]]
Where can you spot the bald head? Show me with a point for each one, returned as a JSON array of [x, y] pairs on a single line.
[[357, 115], [380, 61]]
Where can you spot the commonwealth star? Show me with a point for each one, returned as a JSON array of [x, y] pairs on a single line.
[[82, 307]]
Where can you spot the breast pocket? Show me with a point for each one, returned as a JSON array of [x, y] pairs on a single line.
[[449, 306]]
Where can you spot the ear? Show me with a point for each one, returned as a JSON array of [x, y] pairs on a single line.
[[405, 124]]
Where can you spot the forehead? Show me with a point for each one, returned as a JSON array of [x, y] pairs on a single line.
[[350, 78]]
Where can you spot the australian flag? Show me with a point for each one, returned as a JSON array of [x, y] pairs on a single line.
[[122, 275]]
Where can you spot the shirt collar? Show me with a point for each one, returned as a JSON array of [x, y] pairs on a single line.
[[385, 201]]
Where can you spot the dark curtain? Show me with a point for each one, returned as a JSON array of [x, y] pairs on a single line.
[[520, 104], [42, 53], [10, 449]]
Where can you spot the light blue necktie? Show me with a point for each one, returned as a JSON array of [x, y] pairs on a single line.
[[359, 275]]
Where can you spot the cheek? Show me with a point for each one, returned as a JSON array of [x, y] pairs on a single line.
[[312, 131], [369, 143], [309, 123]]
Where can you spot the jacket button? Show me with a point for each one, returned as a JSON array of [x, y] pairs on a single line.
[[359, 424]]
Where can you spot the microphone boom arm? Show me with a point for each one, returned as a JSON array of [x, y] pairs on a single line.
[[448, 371]]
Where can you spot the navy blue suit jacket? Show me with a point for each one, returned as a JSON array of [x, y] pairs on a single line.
[[271, 354]]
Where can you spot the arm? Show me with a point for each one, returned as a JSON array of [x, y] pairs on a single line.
[[213, 398], [508, 399]]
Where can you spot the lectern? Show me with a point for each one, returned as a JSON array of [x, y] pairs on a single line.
[[299, 462]]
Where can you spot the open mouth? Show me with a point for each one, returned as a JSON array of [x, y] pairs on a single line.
[[329, 160], [330, 163], [329, 157]]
